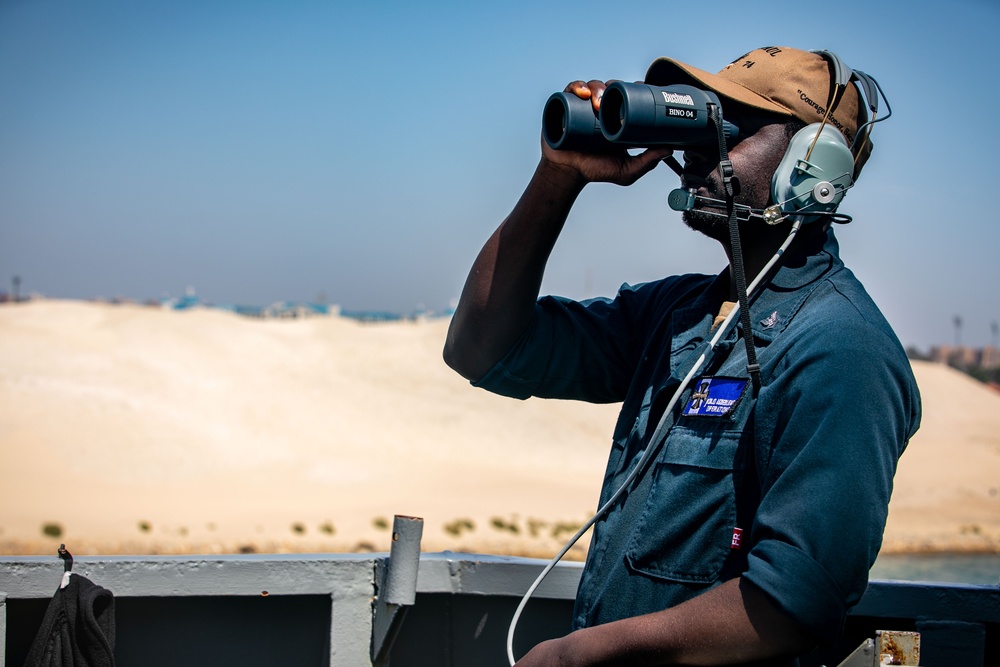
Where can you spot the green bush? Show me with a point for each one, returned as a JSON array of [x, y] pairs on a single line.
[[52, 529]]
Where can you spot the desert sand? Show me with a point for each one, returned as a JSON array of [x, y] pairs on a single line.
[[133, 429]]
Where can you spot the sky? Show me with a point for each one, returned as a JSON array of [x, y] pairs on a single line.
[[361, 153]]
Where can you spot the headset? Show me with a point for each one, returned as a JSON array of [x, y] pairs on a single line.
[[819, 166]]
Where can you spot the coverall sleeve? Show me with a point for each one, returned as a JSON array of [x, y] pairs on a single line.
[[586, 350], [830, 426]]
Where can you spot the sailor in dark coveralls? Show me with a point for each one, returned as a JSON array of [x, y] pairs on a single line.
[[752, 532]]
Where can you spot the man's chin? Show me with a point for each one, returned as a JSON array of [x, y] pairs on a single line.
[[713, 226]]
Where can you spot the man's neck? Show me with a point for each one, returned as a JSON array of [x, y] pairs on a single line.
[[757, 249]]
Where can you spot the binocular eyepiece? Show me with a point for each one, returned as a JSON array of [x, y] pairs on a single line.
[[633, 115]]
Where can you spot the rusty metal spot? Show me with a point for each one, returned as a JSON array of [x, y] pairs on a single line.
[[898, 648]]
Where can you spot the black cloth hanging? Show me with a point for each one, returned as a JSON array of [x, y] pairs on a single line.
[[78, 629]]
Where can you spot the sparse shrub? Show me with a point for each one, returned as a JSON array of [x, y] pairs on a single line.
[[52, 529], [298, 528], [381, 523], [327, 528], [145, 527], [567, 527], [502, 524], [459, 526], [535, 525]]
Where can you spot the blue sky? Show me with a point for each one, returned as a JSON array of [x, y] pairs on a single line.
[[262, 151]]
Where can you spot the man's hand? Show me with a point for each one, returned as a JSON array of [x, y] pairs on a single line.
[[618, 167], [733, 623]]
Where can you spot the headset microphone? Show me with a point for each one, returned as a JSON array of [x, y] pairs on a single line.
[[681, 200], [687, 200]]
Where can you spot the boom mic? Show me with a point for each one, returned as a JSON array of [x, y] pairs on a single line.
[[687, 200], [681, 199]]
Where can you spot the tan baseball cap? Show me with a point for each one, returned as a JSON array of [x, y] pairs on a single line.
[[778, 79]]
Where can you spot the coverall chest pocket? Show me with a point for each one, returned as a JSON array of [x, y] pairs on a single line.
[[685, 530]]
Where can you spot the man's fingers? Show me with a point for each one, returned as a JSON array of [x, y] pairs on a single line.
[[638, 166], [592, 90], [578, 88], [596, 93]]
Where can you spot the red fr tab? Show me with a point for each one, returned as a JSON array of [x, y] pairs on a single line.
[[737, 539]]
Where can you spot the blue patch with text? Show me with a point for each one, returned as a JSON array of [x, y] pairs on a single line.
[[715, 396]]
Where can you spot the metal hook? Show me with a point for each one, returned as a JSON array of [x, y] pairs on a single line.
[[67, 558]]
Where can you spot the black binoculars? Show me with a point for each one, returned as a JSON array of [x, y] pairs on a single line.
[[633, 115]]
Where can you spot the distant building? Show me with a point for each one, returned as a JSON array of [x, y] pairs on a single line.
[[294, 310], [989, 357], [962, 356]]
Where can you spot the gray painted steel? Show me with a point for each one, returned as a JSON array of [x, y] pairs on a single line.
[[3, 627], [318, 609], [348, 581], [397, 586]]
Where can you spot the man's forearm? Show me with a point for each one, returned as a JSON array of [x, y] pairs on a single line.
[[730, 624], [500, 292]]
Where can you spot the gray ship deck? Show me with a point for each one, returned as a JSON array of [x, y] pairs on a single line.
[[318, 610]]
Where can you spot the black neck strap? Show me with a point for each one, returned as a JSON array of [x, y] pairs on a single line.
[[731, 185]]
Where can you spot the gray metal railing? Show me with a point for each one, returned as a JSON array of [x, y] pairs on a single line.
[[319, 609]]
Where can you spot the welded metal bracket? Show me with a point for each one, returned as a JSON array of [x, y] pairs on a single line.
[[890, 647], [862, 656], [3, 624], [397, 586]]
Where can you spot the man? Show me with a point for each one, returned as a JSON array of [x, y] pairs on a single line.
[[751, 534]]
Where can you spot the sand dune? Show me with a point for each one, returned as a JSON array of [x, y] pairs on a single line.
[[137, 429]]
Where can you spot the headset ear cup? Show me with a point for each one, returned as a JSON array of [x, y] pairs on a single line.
[[817, 185]]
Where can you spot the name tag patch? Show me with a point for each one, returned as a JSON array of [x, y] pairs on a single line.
[[715, 396]]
